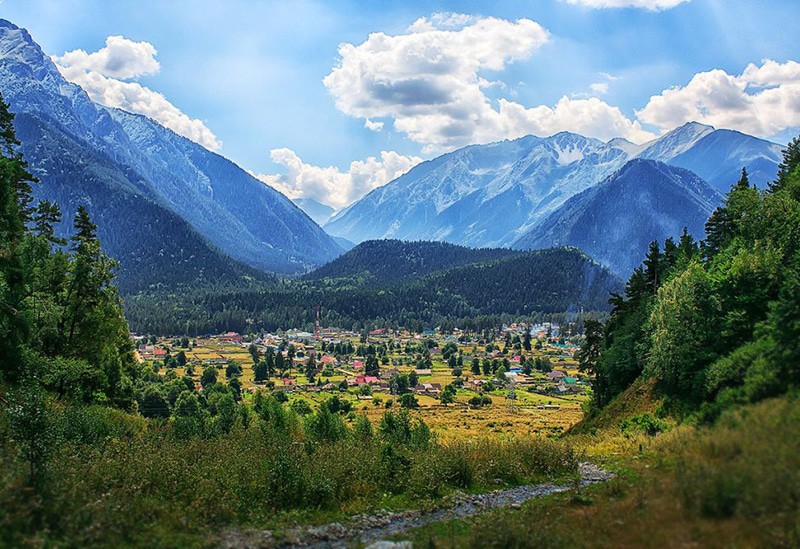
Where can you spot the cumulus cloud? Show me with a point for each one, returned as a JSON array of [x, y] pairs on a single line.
[[120, 58], [331, 186], [431, 83], [105, 75], [652, 5], [762, 101]]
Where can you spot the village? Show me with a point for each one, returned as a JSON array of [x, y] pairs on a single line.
[[519, 380]]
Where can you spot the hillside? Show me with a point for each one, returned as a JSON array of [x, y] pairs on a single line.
[[615, 221], [532, 284], [378, 262], [554, 280], [230, 211], [155, 246]]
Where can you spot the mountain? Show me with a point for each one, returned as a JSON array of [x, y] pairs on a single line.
[[482, 195], [136, 166], [343, 243], [317, 211], [555, 280], [381, 262], [615, 221], [535, 284], [492, 195], [155, 247], [719, 157]]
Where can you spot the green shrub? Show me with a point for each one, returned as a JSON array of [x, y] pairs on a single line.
[[643, 423]]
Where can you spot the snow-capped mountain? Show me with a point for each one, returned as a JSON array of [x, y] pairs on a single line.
[[482, 195], [492, 195], [615, 221], [717, 156], [142, 161]]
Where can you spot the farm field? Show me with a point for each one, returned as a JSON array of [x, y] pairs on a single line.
[[520, 405]]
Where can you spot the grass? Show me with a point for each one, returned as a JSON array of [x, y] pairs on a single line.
[[116, 480], [734, 485]]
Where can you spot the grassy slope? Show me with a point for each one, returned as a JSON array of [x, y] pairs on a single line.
[[736, 484]]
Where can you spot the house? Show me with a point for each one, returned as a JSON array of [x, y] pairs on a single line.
[[430, 389], [372, 380], [327, 359], [160, 353], [358, 365], [297, 334], [556, 375], [423, 372], [231, 337], [477, 384], [388, 374]]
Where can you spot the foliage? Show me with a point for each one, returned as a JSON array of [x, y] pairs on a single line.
[[716, 323], [540, 285]]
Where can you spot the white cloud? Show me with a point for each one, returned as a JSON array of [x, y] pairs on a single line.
[[590, 117], [103, 74], [599, 87], [373, 125], [762, 101], [430, 82], [331, 186], [652, 5], [120, 58]]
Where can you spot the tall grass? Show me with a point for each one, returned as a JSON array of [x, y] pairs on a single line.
[[117, 479], [734, 484]]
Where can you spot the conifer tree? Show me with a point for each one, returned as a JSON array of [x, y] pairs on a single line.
[[15, 199]]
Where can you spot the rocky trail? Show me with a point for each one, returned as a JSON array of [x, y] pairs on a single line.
[[372, 529]]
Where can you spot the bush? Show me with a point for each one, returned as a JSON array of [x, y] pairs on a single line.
[[480, 401], [642, 423], [408, 400]]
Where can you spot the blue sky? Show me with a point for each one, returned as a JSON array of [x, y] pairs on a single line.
[[260, 78]]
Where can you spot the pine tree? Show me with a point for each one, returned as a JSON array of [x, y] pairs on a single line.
[[791, 159], [15, 199], [653, 266]]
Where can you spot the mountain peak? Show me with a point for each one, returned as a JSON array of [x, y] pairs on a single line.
[[17, 46], [693, 127]]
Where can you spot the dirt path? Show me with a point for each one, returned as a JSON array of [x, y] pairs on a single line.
[[367, 529]]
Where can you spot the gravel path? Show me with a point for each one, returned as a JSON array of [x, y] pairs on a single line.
[[369, 529]]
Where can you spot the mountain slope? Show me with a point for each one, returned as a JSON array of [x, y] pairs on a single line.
[[554, 280], [392, 261], [317, 211], [155, 247], [717, 156], [491, 195], [532, 284], [615, 221], [480, 196], [248, 220]]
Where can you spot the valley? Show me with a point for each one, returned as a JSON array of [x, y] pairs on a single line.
[[485, 324], [538, 392]]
